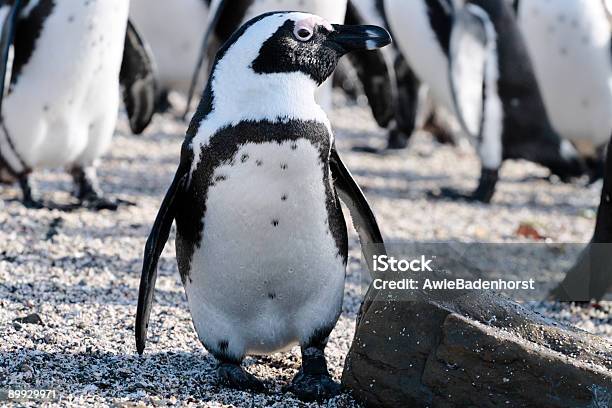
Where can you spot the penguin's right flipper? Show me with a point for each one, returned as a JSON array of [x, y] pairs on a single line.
[[361, 213], [138, 80], [155, 245], [9, 16], [374, 74]]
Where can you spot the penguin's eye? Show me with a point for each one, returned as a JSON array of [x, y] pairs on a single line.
[[303, 34]]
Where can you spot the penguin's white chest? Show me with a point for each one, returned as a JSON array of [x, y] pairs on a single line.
[[333, 11], [63, 107], [419, 44], [569, 43], [267, 272]]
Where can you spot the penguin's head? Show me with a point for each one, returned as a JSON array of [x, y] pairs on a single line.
[[293, 43]]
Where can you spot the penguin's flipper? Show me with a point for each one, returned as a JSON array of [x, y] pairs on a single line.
[[361, 213], [153, 249], [468, 59], [9, 17], [138, 80], [373, 72]]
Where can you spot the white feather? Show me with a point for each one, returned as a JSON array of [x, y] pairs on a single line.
[[63, 108], [569, 43]]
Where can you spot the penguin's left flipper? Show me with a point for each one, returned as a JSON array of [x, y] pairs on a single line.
[[373, 72], [9, 16], [138, 80], [153, 249], [469, 62], [350, 193]]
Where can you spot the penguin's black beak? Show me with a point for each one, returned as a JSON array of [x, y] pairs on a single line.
[[348, 38]]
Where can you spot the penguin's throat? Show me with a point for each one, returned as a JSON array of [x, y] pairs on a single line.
[[269, 96]]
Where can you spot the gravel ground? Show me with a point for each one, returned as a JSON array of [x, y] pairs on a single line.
[[80, 271]]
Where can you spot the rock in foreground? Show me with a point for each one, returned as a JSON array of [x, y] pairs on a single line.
[[476, 351]]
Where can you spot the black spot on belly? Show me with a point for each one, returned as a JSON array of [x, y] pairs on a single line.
[[244, 158], [284, 166], [294, 146], [223, 346], [275, 223], [284, 197], [220, 178], [259, 163], [272, 295], [26, 36]]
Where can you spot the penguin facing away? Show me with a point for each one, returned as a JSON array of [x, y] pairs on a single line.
[[473, 58], [63, 62], [227, 15], [261, 239]]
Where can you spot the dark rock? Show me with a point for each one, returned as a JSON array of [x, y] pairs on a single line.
[[30, 319], [478, 350]]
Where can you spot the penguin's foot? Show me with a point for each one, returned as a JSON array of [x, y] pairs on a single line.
[[97, 202], [456, 195], [484, 193], [30, 198], [397, 140], [88, 191], [313, 382], [313, 387], [234, 376]]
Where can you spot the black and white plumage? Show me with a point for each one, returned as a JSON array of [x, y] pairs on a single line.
[[570, 43], [63, 62], [474, 60], [174, 31], [261, 239], [227, 15]]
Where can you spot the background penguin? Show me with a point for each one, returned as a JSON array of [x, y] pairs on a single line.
[[475, 63], [591, 277], [227, 15], [173, 30], [261, 239], [570, 44], [63, 77]]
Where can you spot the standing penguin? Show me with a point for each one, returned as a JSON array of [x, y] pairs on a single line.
[[473, 58], [570, 43], [261, 239], [227, 15], [173, 30], [63, 62]]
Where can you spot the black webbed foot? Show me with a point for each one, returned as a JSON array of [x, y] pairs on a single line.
[[234, 376], [313, 382], [484, 193], [89, 193], [30, 198], [313, 387], [456, 195]]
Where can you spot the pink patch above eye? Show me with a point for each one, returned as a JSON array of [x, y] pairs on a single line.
[[311, 23]]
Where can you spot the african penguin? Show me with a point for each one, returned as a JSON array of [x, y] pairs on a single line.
[[473, 58], [570, 44], [173, 30], [63, 62], [227, 15], [261, 239]]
